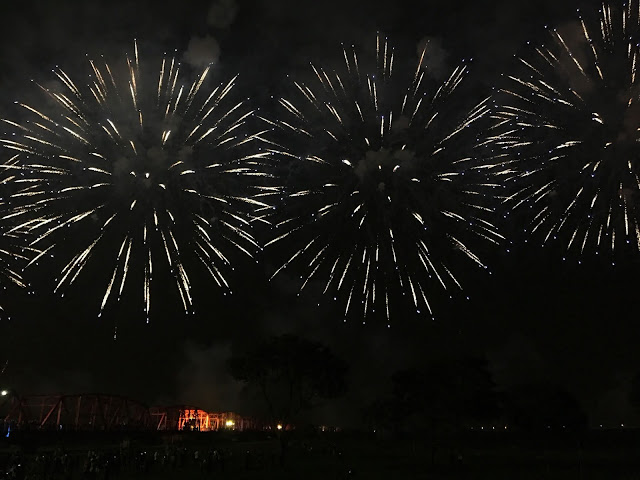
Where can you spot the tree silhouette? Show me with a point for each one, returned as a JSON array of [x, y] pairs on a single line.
[[291, 373], [543, 406], [447, 393]]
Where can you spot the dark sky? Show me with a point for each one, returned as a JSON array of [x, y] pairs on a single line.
[[535, 317]]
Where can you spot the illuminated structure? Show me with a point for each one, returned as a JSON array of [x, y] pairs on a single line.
[[183, 417], [100, 412]]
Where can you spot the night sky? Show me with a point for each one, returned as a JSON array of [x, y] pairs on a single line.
[[535, 316]]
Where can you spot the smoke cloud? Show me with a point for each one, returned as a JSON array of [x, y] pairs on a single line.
[[222, 13], [202, 51]]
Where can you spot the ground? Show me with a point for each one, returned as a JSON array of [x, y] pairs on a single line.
[[342, 456]]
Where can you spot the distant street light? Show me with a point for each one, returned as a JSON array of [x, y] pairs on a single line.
[[4, 393]]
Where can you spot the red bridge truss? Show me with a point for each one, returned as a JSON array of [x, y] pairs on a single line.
[[75, 412], [101, 412]]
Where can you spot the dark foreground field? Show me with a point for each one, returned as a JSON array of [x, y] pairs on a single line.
[[596, 455]]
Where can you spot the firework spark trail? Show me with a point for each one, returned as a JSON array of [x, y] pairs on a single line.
[[123, 167], [14, 252], [569, 123], [8, 271], [382, 197]]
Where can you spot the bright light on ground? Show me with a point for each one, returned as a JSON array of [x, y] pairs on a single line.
[[4, 393]]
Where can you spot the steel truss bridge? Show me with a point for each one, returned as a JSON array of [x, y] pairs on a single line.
[[103, 412]]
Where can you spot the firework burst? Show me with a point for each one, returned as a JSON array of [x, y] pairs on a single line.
[[381, 196], [569, 126], [9, 274], [134, 167], [12, 247]]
